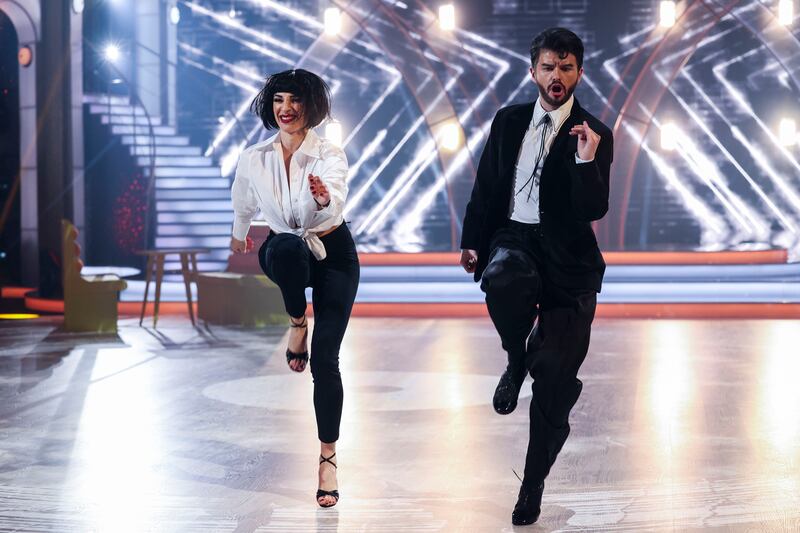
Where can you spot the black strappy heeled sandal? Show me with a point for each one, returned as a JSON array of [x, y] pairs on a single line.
[[290, 355], [322, 493]]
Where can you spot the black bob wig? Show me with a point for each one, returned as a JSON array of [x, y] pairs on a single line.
[[310, 88]]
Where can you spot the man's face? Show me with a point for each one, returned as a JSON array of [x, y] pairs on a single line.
[[556, 78]]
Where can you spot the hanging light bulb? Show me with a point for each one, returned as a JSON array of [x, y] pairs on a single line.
[[450, 136], [333, 21], [669, 136], [668, 13], [786, 12], [447, 17]]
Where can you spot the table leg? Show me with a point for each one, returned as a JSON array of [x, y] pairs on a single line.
[[194, 266], [159, 278], [148, 276], [187, 282]]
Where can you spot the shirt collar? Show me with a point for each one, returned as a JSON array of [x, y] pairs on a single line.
[[311, 145], [558, 116]]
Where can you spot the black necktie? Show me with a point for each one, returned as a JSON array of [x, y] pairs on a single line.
[[533, 180]]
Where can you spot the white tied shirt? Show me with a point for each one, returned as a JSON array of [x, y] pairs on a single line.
[[525, 197], [261, 183]]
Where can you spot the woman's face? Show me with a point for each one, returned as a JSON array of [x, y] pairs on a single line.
[[288, 110]]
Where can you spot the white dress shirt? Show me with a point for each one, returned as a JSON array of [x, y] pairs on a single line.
[[525, 197], [261, 183]]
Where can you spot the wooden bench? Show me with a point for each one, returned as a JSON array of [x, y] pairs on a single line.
[[241, 295], [90, 302]]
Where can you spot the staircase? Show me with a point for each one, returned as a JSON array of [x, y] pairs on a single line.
[[193, 202]]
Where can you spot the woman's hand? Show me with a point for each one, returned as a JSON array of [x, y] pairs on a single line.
[[241, 247], [319, 191]]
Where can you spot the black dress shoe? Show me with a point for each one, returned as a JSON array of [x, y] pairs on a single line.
[[529, 505], [507, 391]]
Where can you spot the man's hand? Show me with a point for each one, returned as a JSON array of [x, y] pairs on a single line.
[[588, 140], [469, 260], [319, 191], [242, 247]]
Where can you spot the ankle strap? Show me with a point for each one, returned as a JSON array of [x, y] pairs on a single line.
[[302, 324], [323, 459]]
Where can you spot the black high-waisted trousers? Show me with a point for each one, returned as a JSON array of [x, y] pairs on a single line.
[[287, 261]]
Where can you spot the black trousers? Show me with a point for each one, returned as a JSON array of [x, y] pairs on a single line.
[[518, 293], [287, 261]]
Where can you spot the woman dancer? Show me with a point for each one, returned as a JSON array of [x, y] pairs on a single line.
[[298, 181]]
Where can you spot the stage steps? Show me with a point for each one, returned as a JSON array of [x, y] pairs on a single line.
[[193, 206]]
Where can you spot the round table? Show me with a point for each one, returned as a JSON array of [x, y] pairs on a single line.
[[121, 271]]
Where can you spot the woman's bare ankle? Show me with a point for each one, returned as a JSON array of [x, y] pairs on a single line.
[[327, 465]]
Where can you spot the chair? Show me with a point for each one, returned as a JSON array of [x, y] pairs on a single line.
[[242, 295], [231, 298], [90, 302]]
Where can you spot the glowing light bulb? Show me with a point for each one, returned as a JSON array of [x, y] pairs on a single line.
[[668, 13], [669, 136], [447, 17], [333, 21]]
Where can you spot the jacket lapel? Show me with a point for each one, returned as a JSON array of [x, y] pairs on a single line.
[[515, 132], [511, 144]]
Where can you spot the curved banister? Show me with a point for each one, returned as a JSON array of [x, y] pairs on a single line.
[[151, 140]]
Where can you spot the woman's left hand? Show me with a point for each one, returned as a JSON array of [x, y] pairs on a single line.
[[319, 191]]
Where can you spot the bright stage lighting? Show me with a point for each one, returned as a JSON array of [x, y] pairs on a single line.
[[333, 21], [17, 316], [786, 12], [333, 132], [450, 136], [668, 14], [174, 15], [669, 136], [787, 132], [447, 17], [111, 53], [232, 13]]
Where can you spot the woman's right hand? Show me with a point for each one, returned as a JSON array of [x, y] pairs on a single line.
[[241, 247]]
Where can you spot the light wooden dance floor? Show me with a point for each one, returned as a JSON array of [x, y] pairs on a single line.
[[682, 426]]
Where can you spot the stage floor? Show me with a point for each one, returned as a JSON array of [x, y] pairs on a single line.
[[683, 425]]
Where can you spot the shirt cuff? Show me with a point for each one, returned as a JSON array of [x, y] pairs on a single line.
[[324, 211], [240, 229], [579, 161]]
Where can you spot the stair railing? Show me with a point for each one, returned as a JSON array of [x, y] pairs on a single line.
[[151, 142]]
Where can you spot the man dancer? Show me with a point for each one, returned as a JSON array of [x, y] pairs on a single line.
[[542, 178]]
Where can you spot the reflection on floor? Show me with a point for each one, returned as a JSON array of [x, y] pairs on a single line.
[[682, 425]]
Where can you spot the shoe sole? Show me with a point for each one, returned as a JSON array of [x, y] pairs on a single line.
[[504, 412]]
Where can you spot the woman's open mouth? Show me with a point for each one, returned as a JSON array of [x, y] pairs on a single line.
[[286, 119]]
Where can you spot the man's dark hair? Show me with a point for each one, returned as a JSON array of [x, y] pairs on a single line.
[[560, 41], [310, 88]]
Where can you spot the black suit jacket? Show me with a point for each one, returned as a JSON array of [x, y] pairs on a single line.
[[571, 195]]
